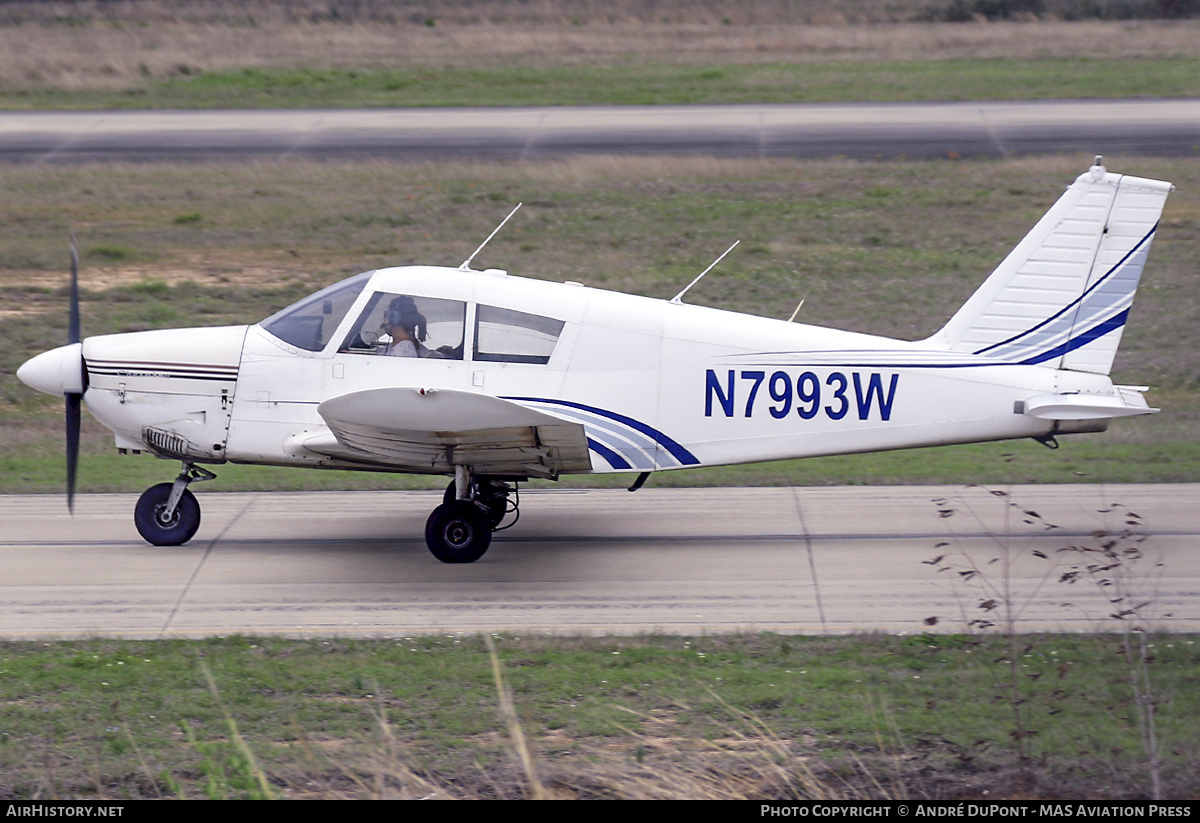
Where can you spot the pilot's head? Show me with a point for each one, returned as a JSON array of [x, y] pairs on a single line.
[[402, 313]]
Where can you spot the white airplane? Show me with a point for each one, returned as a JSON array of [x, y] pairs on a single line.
[[492, 379]]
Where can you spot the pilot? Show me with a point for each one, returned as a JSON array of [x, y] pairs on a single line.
[[406, 326]]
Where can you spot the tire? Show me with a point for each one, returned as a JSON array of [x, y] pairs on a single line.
[[458, 532], [147, 516]]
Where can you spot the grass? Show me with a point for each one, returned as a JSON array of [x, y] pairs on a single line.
[[38, 467], [877, 247], [641, 83], [210, 53], [121, 719]]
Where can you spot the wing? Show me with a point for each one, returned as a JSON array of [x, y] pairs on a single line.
[[433, 430]]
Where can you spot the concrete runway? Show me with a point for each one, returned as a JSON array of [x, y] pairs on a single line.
[[1168, 127], [690, 561]]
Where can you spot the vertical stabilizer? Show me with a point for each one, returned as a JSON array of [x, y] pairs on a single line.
[[1061, 297]]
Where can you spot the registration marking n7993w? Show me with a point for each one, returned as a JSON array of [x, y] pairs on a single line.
[[808, 394]]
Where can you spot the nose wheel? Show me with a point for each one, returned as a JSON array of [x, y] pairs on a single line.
[[169, 514], [158, 524]]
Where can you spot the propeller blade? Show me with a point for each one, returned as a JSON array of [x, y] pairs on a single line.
[[74, 415], [74, 400], [73, 333]]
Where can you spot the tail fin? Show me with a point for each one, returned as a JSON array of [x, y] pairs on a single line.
[[1061, 297]]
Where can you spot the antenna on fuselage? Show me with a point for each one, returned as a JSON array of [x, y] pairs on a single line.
[[807, 291], [466, 264], [799, 306], [679, 297]]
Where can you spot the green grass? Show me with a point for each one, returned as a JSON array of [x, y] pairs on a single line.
[[638, 82], [921, 715], [38, 467]]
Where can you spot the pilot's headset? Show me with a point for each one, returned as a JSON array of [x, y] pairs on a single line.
[[402, 312]]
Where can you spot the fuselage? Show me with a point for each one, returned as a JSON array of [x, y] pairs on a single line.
[[656, 385]]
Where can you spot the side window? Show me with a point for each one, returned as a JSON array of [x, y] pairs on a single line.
[[402, 325], [507, 336]]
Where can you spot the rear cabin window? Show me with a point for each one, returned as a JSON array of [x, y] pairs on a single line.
[[507, 336]]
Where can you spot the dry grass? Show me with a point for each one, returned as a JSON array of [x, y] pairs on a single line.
[[741, 767], [748, 762], [469, 12], [80, 46]]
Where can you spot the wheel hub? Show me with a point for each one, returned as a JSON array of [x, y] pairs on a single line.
[[459, 534], [160, 514]]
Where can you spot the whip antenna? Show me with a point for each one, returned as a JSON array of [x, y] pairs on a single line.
[[679, 297], [466, 264]]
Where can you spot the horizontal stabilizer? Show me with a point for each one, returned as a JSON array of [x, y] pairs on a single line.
[[1126, 403]]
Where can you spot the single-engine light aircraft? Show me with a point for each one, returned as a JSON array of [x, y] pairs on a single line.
[[490, 379]]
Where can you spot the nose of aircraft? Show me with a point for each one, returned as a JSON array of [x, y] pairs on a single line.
[[58, 371]]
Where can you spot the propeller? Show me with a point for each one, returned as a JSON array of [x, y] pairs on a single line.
[[62, 372], [74, 399]]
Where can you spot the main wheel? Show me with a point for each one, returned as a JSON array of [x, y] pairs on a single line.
[[152, 523], [458, 532]]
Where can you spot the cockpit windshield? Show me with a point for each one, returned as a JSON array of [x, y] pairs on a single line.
[[309, 323]]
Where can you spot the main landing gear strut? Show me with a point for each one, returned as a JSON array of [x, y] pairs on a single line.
[[460, 530]]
